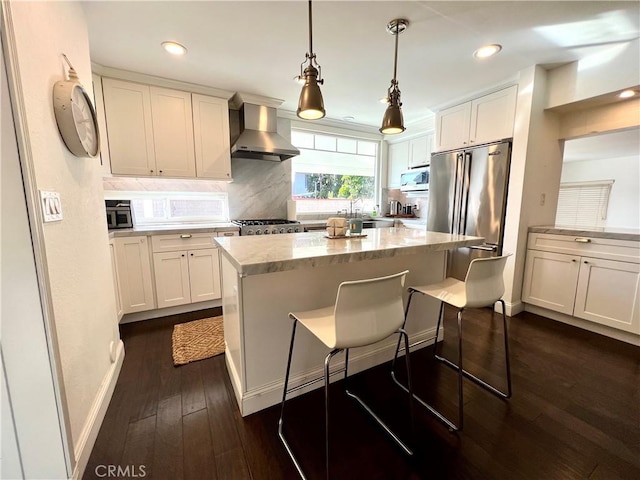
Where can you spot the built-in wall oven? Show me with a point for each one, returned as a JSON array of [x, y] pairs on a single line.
[[118, 214]]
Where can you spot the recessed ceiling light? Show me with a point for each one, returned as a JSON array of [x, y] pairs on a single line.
[[487, 51], [627, 94], [349, 118], [174, 48]]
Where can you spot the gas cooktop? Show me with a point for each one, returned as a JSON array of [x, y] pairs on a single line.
[[268, 226]]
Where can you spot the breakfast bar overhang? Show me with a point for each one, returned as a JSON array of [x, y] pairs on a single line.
[[263, 280]]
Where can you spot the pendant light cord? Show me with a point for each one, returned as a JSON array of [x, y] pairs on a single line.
[[395, 61], [310, 32]]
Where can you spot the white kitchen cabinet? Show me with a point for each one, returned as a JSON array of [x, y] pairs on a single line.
[[420, 150], [609, 293], [485, 119], [398, 162], [129, 127], [594, 279], [157, 131], [550, 280], [211, 137], [116, 279], [172, 120], [133, 264], [187, 268]]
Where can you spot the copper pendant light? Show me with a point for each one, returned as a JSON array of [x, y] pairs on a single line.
[[393, 122], [310, 105]]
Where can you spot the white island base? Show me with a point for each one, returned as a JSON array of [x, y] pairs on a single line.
[[258, 332], [256, 305]]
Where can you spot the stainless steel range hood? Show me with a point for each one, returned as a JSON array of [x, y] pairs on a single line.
[[258, 138]]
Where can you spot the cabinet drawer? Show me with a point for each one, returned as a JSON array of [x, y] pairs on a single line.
[[608, 249], [184, 241], [228, 233]]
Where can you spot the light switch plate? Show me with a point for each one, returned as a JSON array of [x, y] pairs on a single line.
[[51, 206]]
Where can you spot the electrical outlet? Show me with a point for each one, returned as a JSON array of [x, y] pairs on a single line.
[[51, 206]]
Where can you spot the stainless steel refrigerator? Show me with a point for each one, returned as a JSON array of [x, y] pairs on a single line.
[[468, 195]]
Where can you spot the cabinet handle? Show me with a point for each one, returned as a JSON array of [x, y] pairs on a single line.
[[183, 254], [192, 254], [185, 235], [151, 171], [573, 260], [228, 234], [586, 262], [160, 171], [582, 240]]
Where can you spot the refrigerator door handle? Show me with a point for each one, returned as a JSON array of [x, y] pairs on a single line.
[[464, 196], [457, 195]]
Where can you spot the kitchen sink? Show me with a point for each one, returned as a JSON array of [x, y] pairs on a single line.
[[376, 224]]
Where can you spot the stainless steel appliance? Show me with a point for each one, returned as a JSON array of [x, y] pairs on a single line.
[[259, 138], [118, 214], [269, 226], [468, 196], [395, 207], [415, 180]]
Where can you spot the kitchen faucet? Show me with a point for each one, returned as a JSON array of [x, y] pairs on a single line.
[[351, 204]]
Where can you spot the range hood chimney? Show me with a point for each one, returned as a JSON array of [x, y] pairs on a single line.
[[258, 138]]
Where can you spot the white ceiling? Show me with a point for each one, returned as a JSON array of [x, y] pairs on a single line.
[[257, 47]]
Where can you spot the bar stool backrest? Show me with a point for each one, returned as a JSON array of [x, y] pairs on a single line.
[[484, 284], [368, 311]]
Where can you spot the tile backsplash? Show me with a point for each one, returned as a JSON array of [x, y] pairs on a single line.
[[395, 194]]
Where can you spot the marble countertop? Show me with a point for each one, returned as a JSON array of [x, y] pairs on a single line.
[[613, 233], [169, 229], [252, 255]]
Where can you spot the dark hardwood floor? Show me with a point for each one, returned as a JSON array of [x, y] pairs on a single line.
[[575, 413]]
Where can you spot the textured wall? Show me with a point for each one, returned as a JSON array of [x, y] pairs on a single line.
[[77, 252]]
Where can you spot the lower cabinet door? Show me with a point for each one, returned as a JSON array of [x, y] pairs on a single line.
[[550, 280], [134, 273], [204, 274], [172, 278], [609, 293]]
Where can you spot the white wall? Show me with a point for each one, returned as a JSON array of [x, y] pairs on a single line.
[[32, 446], [624, 202], [77, 263]]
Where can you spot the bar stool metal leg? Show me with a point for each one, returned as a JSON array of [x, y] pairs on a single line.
[[327, 362], [452, 426], [479, 381], [284, 398]]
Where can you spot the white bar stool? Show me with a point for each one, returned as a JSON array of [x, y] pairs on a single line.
[[483, 287], [365, 312]]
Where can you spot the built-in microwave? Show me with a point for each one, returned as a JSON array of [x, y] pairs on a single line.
[[118, 214], [416, 179]]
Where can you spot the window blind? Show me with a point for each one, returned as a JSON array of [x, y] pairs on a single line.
[[583, 204]]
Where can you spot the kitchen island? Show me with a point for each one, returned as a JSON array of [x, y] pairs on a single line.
[[264, 278]]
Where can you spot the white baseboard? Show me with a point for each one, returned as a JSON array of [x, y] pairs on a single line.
[[359, 360], [585, 324], [96, 414], [511, 308], [163, 312]]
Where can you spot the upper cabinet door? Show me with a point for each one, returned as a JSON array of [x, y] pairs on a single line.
[[452, 127], [172, 132], [420, 151], [211, 136], [398, 162], [129, 125], [492, 116]]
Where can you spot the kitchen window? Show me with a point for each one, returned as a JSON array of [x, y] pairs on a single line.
[[333, 173], [165, 208], [583, 204]]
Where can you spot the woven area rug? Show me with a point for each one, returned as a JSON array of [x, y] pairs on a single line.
[[197, 340]]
